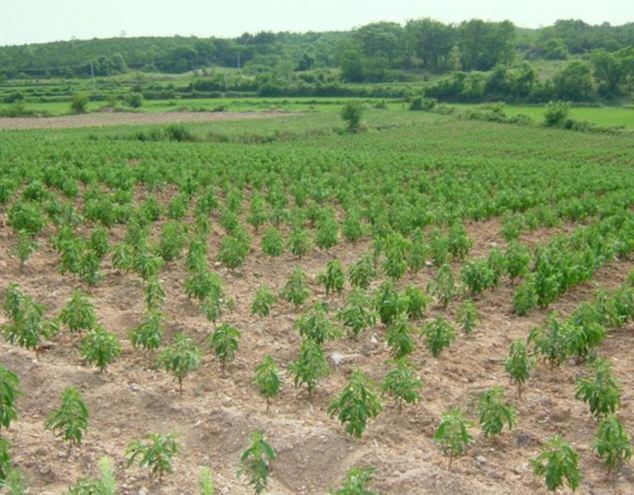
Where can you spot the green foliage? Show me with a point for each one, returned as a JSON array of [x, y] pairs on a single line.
[[268, 380], [156, 453], [351, 228], [9, 392], [558, 462], [255, 463], [612, 443], [452, 435], [99, 242], [172, 241], [356, 404], [224, 343], [556, 113], [264, 299], [327, 234], [443, 287], [180, 359], [352, 114], [298, 242], [206, 481], [202, 284], [358, 313], [233, 251], [78, 313], [388, 303], [25, 246], [6, 466], [134, 99], [332, 278], [78, 103], [551, 342], [518, 258], [295, 290], [100, 348], [309, 367], [601, 392], [154, 294], [518, 365], [146, 265], [494, 413], [395, 248], [148, 335], [272, 242], [104, 485], [70, 421], [356, 482], [477, 275], [525, 297], [399, 337], [458, 243], [402, 383], [362, 272], [439, 335], [315, 325], [468, 316], [416, 302]]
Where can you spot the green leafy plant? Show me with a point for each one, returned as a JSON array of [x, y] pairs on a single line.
[[601, 392], [154, 294], [550, 342], [388, 303], [439, 335], [171, 241], [309, 367], [612, 443], [525, 297], [518, 258], [148, 335], [352, 113], [416, 302], [399, 336], [99, 242], [103, 485], [356, 404], [443, 287], [402, 383], [233, 251], [558, 462], [518, 365], [477, 275], [272, 242], [264, 299], [295, 290], [255, 463], [494, 414], [356, 482], [332, 278], [452, 435], [298, 242], [70, 421], [156, 453], [9, 392], [315, 325], [224, 343], [327, 234], [24, 247], [100, 348], [78, 313], [180, 359], [468, 316], [267, 379], [362, 272], [358, 313], [206, 481]]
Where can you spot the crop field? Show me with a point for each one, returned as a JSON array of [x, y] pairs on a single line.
[[355, 297]]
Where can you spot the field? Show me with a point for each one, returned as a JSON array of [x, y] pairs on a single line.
[[173, 229]]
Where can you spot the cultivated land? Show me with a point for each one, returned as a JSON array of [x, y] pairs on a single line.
[[566, 196]]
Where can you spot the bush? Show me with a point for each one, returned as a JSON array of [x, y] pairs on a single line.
[[134, 100], [70, 421], [255, 463], [79, 102], [352, 113], [356, 404], [556, 113], [559, 463], [155, 453]]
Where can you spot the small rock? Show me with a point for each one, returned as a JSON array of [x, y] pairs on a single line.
[[481, 459], [135, 387], [143, 491]]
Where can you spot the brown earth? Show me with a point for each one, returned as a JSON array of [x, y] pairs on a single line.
[[215, 415], [126, 118]]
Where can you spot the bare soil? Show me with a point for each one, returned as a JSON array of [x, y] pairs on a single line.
[[100, 119], [214, 416]]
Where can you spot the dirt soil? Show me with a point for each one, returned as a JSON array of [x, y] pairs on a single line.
[[214, 416], [102, 119]]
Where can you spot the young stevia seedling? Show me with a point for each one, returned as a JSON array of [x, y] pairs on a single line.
[[296, 291], [358, 313], [315, 325], [356, 482], [402, 383], [356, 404], [399, 337], [272, 242], [443, 287], [332, 278], [309, 366], [154, 295], [156, 453], [452, 435], [148, 335], [416, 302], [267, 379], [25, 246], [100, 348], [518, 365], [224, 342], [70, 421], [298, 242], [494, 413], [264, 299], [255, 463], [612, 443], [180, 359], [79, 313], [362, 272], [558, 462], [601, 392], [439, 335], [9, 392], [468, 316]]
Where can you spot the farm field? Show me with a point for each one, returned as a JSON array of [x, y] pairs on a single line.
[[424, 244]]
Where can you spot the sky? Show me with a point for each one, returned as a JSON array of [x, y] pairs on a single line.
[[31, 21]]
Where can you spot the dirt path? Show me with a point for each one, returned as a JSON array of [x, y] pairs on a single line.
[[123, 118]]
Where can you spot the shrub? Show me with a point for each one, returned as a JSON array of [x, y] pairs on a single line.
[[358, 313], [525, 297], [518, 257], [78, 314], [315, 325], [224, 342], [332, 278], [362, 272], [264, 299], [327, 233], [148, 335], [356, 404], [272, 242], [388, 303], [268, 380], [100, 348], [79, 102], [556, 113], [438, 335], [443, 287], [558, 462], [468, 316], [402, 383], [416, 302], [9, 392], [134, 99], [352, 113], [452, 435], [601, 393], [295, 290], [399, 337], [356, 482], [172, 241], [518, 365], [180, 359], [612, 443], [155, 453], [477, 275], [309, 367], [255, 463], [494, 413], [70, 421], [298, 242], [233, 251]]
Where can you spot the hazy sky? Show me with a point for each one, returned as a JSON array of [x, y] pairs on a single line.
[[24, 21]]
